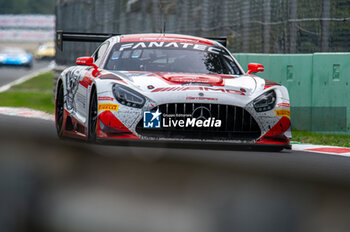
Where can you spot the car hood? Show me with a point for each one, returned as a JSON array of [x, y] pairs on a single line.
[[15, 56], [185, 87], [45, 51]]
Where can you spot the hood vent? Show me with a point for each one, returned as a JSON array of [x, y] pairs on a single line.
[[197, 83]]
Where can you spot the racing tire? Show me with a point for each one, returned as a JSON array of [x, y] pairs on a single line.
[[59, 110], [269, 149], [92, 124], [28, 66], [275, 149]]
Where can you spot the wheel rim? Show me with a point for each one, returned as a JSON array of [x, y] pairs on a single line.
[[59, 108]]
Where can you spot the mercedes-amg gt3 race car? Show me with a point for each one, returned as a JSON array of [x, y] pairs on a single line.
[[168, 87]]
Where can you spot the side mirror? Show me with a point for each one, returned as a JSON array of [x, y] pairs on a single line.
[[253, 68], [88, 61]]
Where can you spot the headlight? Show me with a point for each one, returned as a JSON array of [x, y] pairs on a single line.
[[128, 97], [265, 102], [24, 59]]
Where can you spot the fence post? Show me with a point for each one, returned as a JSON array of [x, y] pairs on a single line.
[[267, 27], [205, 17], [245, 25], [156, 25], [293, 14], [326, 9]]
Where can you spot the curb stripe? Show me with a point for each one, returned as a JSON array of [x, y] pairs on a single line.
[[338, 150], [26, 112], [331, 150]]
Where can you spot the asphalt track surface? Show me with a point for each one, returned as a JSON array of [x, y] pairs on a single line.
[[296, 164], [9, 74], [49, 184], [66, 185]]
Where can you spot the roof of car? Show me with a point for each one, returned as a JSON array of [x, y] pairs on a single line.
[[166, 38], [12, 50]]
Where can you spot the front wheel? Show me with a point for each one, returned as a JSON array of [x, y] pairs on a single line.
[[59, 110], [29, 66], [92, 124]]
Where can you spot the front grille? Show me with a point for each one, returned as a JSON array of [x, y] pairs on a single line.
[[236, 123]]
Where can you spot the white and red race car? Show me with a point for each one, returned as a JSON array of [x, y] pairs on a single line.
[[168, 87]]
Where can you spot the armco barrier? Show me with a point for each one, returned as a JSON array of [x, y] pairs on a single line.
[[318, 86]]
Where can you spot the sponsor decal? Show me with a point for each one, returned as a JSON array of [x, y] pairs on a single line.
[[151, 119], [202, 98], [282, 113], [105, 98], [191, 122], [108, 106], [198, 88], [283, 105], [200, 117], [173, 45], [192, 79]]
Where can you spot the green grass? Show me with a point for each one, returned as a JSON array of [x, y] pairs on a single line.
[[321, 139], [40, 83], [35, 93]]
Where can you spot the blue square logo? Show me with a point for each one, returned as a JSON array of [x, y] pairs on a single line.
[[152, 119]]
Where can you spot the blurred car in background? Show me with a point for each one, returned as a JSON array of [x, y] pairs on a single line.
[[45, 51], [15, 57]]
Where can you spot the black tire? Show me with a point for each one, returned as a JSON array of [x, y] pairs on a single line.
[[92, 124], [59, 110], [29, 66], [275, 149], [269, 148]]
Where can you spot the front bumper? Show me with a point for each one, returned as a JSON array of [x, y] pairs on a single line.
[[14, 63], [244, 130]]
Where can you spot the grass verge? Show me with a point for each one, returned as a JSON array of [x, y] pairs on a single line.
[[321, 139], [35, 93]]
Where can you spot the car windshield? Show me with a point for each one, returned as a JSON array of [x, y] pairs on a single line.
[[46, 46], [170, 57], [12, 51]]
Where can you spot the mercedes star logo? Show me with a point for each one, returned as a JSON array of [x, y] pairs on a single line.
[[201, 113]]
